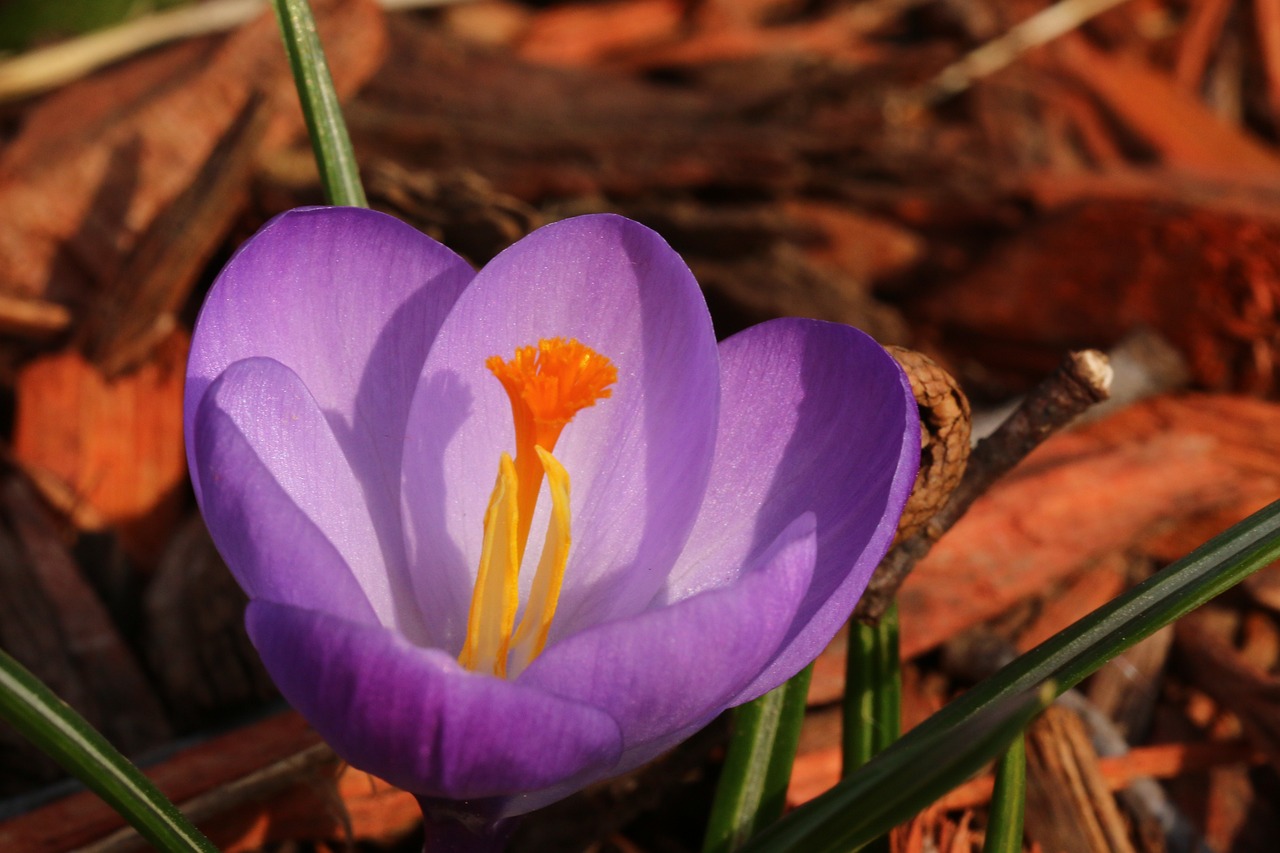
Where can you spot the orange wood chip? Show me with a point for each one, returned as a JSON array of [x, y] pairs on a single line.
[[107, 452]]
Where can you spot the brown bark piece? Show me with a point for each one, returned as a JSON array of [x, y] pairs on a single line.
[[107, 452], [1175, 124], [29, 632], [97, 163], [839, 38], [1200, 35], [136, 310], [582, 34], [864, 247], [195, 639], [1207, 278], [743, 14], [1238, 686], [54, 624], [1160, 461], [1267, 27], [1068, 804], [538, 132]]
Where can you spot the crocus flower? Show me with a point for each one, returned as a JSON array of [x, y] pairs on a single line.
[[509, 532]]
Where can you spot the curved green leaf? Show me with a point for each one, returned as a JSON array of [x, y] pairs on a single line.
[[64, 735]]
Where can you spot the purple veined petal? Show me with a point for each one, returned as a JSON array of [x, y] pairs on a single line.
[[674, 667], [259, 430], [416, 718], [349, 300], [637, 461], [815, 417], [273, 548]]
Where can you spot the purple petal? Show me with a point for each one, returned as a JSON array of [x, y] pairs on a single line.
[[259, 416], [678, 666], [416, 718], [273, 548], [637, 461], [350, 300], [815, 417]]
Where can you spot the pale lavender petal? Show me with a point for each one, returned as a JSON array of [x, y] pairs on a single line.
[[350, 300], [417, 719], [275, 551], [638, 461], [262, 408], [677, 666], [814, 417]]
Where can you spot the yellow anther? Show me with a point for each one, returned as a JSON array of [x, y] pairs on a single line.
[[496, 596], [531, 637], [547, 385]]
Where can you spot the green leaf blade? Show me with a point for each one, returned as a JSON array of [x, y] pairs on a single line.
[[48, 722]]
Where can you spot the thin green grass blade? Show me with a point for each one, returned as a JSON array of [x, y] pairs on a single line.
[[1008, 801], [330, 141], [753, 783], [49, 723], [873, 691], [1063, 660]]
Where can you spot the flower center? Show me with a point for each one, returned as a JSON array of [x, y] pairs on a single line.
[[547, 385]]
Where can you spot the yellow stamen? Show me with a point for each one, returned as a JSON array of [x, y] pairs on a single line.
[[494, 602], [531, 637], [547, 385]]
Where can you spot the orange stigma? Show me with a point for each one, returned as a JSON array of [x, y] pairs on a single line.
[[547, 385]]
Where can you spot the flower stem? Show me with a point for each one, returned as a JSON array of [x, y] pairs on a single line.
[[873, 690], [329, 138], [1008, 801], [872, 696], [753, 784]]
